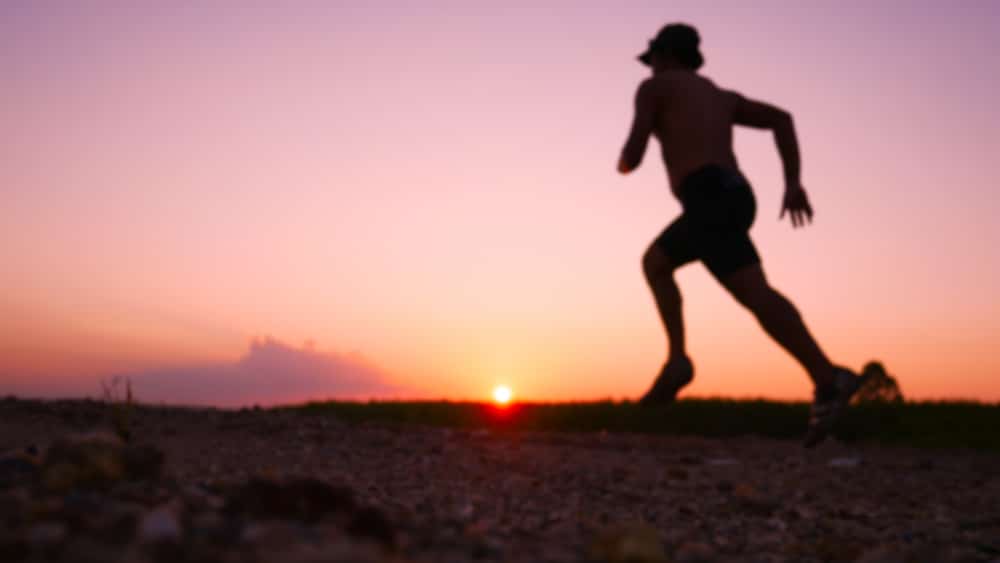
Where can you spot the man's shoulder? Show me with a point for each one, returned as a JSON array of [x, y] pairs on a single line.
[[649, 91], [650, 84], [655, 88]]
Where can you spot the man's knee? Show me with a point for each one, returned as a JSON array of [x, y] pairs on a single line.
[[750, 288], [757, 298], [656, 264]]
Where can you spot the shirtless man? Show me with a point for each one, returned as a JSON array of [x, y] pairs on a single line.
[[693, 120]]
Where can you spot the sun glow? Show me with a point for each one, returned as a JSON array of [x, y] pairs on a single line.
[[502, 394]]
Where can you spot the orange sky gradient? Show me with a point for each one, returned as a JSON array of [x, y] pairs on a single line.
[[419, 200]]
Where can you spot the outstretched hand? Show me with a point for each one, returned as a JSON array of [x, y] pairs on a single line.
[[796, 204]]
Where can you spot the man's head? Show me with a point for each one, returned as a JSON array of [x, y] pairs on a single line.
[[675, 45]]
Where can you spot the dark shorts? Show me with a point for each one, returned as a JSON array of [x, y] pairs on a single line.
[[719, 208]]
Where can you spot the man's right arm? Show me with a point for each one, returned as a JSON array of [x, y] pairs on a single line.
[[765, 116]]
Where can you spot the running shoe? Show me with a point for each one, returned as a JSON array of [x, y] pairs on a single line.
[[829, 404], [674, 376]]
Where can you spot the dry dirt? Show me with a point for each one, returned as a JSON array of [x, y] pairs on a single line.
[[259, 485]]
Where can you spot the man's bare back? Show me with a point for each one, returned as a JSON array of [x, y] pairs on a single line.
[[693, 120]]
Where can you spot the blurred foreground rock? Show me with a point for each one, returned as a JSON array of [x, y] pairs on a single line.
[[91, 497]]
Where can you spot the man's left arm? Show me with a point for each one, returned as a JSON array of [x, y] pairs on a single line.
[[642, 127]]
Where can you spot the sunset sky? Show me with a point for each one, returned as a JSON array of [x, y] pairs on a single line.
[[236, 202]]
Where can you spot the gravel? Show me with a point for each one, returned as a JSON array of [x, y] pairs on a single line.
[[259, 485]]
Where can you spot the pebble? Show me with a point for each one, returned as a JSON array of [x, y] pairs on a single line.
[[752, 499], [882, 554], [46, 534], [777, 524], [13, 503], [371, 523], [199, 498], [694, 552], [722, 461], [635, 543], [142, 461], [677, 473], [272, 533], [159, 525], [16, 470], [847, 462]]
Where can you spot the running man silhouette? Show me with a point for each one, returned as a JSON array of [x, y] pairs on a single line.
[[693, 120]]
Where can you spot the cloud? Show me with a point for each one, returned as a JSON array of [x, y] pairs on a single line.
[[271, 372]]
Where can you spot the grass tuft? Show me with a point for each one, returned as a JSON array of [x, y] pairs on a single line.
[[116, 394]]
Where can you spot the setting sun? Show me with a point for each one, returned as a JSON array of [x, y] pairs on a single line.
[[502, 394]]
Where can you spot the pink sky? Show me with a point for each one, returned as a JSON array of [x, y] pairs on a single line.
[[425, 191]]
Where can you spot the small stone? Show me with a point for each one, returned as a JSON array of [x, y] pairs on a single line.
[[17, 469], [145, 493], [60, 476], [13, 546], [13, 503], [159, 525], [199, 498], [271, 533], [487, 547], [465, 512], [800, 513], [353, 552], [777, 524], [81, 509], [847, 462], [723, 461], [46, 534], [120, 524], [86, 549], [686, 510], [371, 523], [882, 554], [216, 528], [694, 552], [636, 543], [753, 500], [766, 539], [677, 473], [142, 462], [208, 521]]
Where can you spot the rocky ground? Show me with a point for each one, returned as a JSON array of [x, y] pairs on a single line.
[[207, 485]]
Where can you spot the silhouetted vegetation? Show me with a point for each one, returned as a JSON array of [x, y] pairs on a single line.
[[880, 387], [117, 396], [924, 424]]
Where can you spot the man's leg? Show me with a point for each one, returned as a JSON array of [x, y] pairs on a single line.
[[780, 320], [659, 271], [834, 385], [677, 372]]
